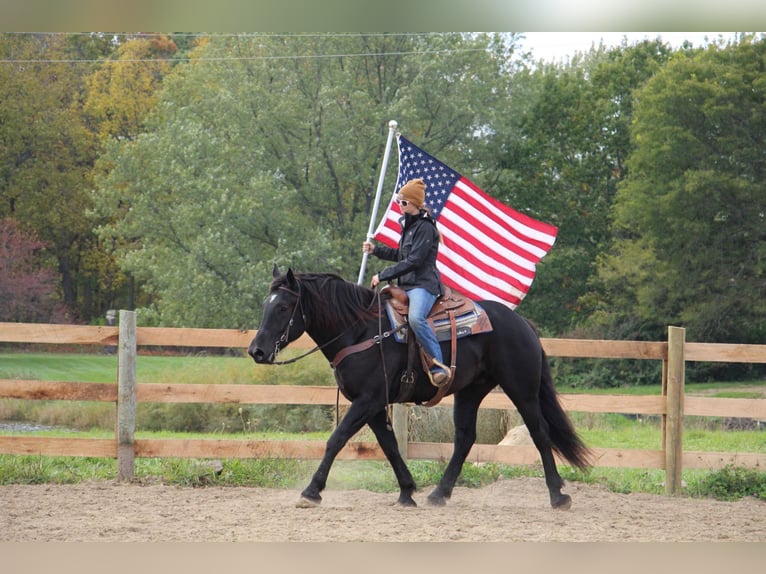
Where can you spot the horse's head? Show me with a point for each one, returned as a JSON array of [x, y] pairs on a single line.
[[282, 320]]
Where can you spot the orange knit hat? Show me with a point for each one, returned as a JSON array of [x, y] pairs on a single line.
[[414, 191]]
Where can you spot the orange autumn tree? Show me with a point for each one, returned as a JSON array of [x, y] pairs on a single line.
[[125, 89]]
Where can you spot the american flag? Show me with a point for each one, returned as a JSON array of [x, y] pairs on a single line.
[[489, 251]]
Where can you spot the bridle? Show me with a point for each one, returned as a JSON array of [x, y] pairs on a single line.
[[283, 339]]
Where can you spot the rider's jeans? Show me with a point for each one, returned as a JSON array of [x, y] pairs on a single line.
[[421, 302]]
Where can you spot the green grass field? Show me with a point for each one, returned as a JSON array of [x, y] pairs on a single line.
[[200, 368]]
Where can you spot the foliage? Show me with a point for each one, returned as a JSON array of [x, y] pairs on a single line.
[[206, 418], [733, 483], [46, 154], [604, 373], [169, 172], [50, 145], [689, 241], [122, 91], [265, 148], [27, 285], [558, 154]]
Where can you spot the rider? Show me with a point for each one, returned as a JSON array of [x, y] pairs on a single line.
[[415, 269]]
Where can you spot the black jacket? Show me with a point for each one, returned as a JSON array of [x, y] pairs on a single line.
[[415, 256]]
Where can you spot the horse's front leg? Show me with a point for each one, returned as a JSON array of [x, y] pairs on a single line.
[[387, 440], [355, 418]]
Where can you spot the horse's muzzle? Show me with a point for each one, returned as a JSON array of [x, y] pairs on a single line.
[[259, 355]]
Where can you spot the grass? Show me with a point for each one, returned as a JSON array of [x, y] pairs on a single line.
[[726, 484], [101, 368], [95, 420]]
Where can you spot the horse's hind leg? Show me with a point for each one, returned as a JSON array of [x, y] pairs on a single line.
[[538, 429], [387, 440], [465, 413], [355, 418]]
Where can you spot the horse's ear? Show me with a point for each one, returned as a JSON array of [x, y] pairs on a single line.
[[275, 271], [291, 277]]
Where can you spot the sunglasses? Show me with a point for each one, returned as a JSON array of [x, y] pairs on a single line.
[[403, 202]]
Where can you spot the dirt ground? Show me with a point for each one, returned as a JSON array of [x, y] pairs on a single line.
[[510, 510]]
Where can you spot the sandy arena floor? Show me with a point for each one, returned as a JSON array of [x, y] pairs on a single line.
[[509, 510]]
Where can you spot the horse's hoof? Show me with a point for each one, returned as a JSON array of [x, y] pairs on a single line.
[[437, 501], [407, 502], [304, 502], [562, 502]]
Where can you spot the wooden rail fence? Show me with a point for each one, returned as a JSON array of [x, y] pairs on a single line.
[[672, 405]]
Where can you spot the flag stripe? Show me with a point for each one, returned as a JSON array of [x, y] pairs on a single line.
[[461, 256], [489, 250], [505, 220], [477, 290], [472, 227]]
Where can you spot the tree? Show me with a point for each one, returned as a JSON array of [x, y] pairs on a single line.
[[48, 154], [27, 286], [268, 147], [123, 90], [558, 152], [689, 226], [58, 102], [120, 95]]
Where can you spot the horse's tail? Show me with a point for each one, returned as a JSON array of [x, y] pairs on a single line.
[[564, 439]]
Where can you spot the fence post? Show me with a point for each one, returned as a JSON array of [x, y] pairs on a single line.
[[401, 417], [126, 395], [674, 410]]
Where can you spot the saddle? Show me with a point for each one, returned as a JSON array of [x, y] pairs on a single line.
[[468, 317], [453, 316]]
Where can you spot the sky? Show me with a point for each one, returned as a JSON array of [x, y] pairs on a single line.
[[559, 46]]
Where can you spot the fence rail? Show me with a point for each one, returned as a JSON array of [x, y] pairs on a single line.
[[672, 405]]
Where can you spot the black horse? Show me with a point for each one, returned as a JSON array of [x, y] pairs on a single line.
[[338, 314]]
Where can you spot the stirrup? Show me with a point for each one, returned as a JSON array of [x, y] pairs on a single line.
[[440, 378]]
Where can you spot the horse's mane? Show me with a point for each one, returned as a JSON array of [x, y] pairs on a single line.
[[331, 301]]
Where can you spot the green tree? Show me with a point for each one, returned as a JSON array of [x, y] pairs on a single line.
[[690, 218], [268, 147], [121, 93], [558, 154]]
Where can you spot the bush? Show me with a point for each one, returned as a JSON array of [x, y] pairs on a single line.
[[733, 483], [604, 373]]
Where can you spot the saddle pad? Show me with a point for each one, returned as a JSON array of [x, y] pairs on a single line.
[[469, 323]]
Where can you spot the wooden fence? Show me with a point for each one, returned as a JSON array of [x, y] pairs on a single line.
[[672, 405]]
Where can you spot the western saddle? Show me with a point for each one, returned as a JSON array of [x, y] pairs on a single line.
[[452, 317]]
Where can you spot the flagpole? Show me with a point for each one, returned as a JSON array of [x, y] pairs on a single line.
[[391, 129]]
